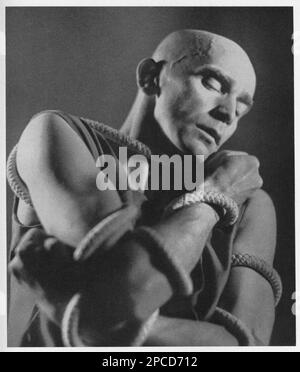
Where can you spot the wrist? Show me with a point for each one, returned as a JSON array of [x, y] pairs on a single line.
[[224, 206], [209, 213], [211, 185], [194, 213]]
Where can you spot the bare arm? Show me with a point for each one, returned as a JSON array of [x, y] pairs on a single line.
[[248, 295], [61, 177], [183, 332], [60, 174]]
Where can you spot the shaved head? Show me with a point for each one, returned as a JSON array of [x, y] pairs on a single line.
[[182, 44], [189, 44], [190, 48]]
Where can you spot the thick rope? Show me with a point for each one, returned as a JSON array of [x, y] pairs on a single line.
[[70, 323], [119, 138], [234, 326], [14, 180], [261, 267], [226, 206]]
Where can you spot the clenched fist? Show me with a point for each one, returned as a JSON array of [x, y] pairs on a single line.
[[46, 266], [235, 174]]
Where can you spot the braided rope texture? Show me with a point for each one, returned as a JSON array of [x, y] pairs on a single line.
[[179, 279], [14, 180], [119, 138], [231, 209], [234, 326], [261, 267]]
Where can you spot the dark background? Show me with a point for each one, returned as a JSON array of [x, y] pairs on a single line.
[[82, 60]]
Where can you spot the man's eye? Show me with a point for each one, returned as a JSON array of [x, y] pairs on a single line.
[[212, 83]]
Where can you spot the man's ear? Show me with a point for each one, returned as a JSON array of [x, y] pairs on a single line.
[[147, 75]]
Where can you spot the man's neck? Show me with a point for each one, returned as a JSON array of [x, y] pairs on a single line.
[[140, 124]]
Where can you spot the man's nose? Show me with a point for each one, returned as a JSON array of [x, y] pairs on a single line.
[[225, 109]]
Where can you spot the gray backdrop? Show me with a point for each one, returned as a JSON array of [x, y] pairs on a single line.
[[82, 60]]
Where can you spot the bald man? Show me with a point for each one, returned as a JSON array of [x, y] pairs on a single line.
[[178, 286]]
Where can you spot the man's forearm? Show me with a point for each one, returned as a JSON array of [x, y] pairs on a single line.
[[183, 332], [250, 298], [184, 235], [131, 287], [249, 295]]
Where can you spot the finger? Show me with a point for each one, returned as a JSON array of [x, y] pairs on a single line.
[[218, 155], [58, 250], [20, 272], [34, 237]]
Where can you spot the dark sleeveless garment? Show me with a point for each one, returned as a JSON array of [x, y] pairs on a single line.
[[28, 326]]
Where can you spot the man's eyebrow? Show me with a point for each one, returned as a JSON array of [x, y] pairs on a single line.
[[215, 72]]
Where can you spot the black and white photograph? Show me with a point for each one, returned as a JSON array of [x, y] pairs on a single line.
[[150, 176]]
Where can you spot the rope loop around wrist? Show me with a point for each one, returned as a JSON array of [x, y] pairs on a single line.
[[226, 207]]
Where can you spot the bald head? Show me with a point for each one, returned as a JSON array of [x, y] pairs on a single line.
[[182, 44], [189, 44], [193, 48]]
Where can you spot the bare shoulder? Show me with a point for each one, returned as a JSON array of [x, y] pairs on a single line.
[[261, 202], [48, 143], [37, 134], [40, 130], [261, 196], [40, 123]]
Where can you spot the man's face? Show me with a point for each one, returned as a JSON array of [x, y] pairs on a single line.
[[201, 101]]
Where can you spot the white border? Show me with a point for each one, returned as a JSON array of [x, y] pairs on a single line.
[[172, 3]]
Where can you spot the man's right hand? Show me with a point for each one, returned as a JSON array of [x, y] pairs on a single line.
[[46, 266], [235, 174]]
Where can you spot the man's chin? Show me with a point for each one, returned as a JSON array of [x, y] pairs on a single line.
[[200, 148], [194, 145]]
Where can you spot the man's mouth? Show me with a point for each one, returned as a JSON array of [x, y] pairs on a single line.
[[210, 133]]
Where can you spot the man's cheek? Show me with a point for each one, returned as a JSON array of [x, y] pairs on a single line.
[[189, 112], [228, 134]]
